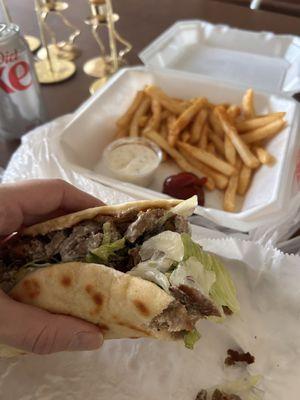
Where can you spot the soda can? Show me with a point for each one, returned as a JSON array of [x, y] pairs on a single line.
[[21, 104]]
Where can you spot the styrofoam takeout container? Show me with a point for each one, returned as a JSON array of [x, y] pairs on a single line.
[[261, 60], [93, 127]]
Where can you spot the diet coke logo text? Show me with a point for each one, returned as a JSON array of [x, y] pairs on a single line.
[[14, 75], [7, 57]]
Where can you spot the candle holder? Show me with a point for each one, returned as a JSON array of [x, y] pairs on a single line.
[[51, 69], [66, 49], [33, 42], [103, 18], [54, 5]]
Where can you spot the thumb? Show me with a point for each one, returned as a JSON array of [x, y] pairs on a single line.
[[38, 331]]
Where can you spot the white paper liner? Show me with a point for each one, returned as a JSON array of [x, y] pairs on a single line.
[[268, 327], [39, 156]]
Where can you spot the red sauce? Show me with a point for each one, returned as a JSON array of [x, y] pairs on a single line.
[[185, 185]]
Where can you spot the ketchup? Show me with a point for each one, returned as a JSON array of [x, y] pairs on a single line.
[[185, 185]]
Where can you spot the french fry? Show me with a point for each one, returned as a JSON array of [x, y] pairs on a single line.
[[143, 121], [209, 159], [233, 111], [217, 141], [229, 150], [142, 109], [238, 164], [164, 130], [265, 132], [230, 194], [156, 114], [184, 103], [220, 179], [170, 122], [124, 121], [248, 104], [254, 123], [215, 123], [198, 125], [185, 118], [224, 105], [244, 151], [178, 158], [211, 149], [264, 156], [204, 138], [166, 101], [165, 114], [229, 203], [244, 180], [185, 136], [121, 132], [164, 134]]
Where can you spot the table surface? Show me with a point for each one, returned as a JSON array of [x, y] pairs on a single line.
[[140, 22]]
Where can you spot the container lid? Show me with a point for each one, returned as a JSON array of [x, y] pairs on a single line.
[[261, 60]]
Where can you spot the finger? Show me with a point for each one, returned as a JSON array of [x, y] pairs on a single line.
[[34, 219], [36, 331], [24, 201]]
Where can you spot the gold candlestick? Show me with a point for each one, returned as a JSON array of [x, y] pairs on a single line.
[[33, 42], [51, 69], [54, 5], [103, 17], [65, 49]]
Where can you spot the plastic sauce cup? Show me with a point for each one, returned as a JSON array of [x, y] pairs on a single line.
[[133, 160]]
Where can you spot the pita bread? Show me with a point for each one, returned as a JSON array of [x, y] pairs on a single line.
[[67, 221], [122, 305]]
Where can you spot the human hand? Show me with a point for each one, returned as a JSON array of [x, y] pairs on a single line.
[[26, 327]]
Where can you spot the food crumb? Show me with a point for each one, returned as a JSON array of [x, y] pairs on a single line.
[[236, 356], [202, 395]]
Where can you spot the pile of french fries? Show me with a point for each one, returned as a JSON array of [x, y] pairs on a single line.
[[223, 142]]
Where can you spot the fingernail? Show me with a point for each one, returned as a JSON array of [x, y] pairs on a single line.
[[85, 341]]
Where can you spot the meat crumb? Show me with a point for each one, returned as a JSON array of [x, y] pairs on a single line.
[[202, 395], [236, 356], [227, 310], [218, 395]]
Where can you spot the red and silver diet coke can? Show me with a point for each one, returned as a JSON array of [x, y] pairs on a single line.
[[21, 105]]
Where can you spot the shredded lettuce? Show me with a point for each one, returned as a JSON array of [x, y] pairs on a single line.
[[160, 262], [192, 273], [223, 291], [196, 268], [190, 339], [168, 243], [106, 233], [149, 270], [244, 387], [105, 251]]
